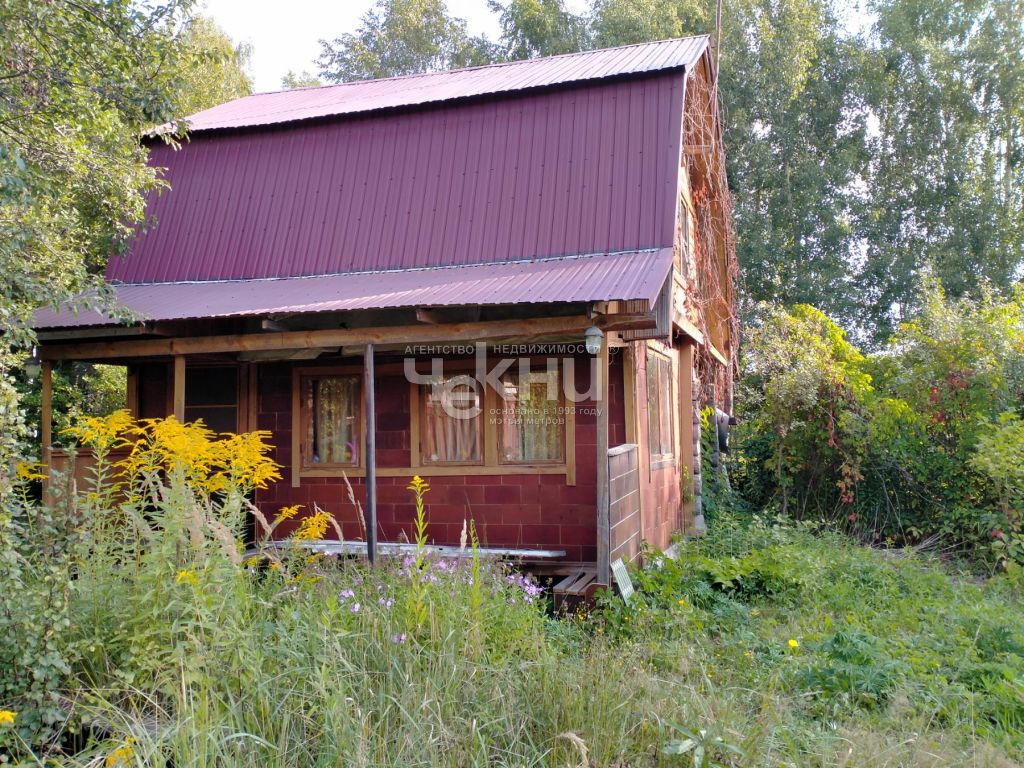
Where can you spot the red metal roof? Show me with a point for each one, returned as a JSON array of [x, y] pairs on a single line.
[[588, 169], [414, 90], [600, 277]]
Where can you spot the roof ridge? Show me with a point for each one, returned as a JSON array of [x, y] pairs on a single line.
[[493, 65]]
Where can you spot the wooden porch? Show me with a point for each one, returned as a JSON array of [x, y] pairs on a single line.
[[617, 528]]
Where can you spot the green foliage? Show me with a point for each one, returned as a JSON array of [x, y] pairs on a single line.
[[853, 671], [532, 28], [36, 573], [81, 82], [772, 645], [853, 640], [213, 69], [806, 393], [945, 84], [704, 748], [303, 79], [402, 37], [919, 440]]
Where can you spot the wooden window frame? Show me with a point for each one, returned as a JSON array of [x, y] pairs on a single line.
[[499, 403], [661, 460], [417, 415], [299, 466], [490, 465], [240, 391]]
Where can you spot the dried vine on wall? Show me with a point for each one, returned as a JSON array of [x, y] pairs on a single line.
[[712, 272]]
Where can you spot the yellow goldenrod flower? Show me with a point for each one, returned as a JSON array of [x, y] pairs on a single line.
[[122, 756], [312, 527], [682, 602], [418, 485], [7, 717], [794, 643], [186, 577], [287, 513], [29, 471]]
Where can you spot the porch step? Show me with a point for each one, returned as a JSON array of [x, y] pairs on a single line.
[[575, 588]]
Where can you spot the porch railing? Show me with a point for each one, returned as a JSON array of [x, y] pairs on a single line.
[[623, 503]]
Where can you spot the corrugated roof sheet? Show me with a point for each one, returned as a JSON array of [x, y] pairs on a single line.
[[411, 90], [588, 169], [599, 277]]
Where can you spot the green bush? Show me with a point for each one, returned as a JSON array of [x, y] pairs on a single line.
[[918, 441]]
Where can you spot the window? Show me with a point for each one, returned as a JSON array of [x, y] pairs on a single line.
[[451, 421], [531, 423], [330, 418], [659, 407], [211, 394]]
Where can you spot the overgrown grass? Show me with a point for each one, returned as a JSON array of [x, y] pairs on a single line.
[[825, 652], [764, 644], [792, 648]]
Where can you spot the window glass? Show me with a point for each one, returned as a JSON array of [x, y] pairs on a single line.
[[659, 405], [211, 394], [331, 406], [451, 421], [531, 425]]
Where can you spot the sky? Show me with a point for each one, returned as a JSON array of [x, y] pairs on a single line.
[[290, 41]]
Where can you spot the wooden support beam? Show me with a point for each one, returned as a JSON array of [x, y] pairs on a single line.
[[687, 359], [131, 395], [369, 408], [46, 428], [337, 337], [603, 523], [46, 411], [178, 388]]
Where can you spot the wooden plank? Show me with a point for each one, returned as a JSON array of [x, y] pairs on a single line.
[[297, 425], [442, 470], [335, 337], [131, 395], [603, 528], [369, 408], [178, 388], [46, 411], [686, 414], [570, 442]]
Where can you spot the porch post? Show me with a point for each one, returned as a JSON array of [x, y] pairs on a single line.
[[371, 455], [46, 427], [178, 388], [46, 412], [603, 526]]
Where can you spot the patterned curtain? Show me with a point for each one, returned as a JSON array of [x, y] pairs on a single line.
[[451, 435], [532, 426], [335, 420]]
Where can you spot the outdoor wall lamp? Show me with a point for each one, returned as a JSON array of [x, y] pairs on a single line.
[[592, 337], [34, 365]]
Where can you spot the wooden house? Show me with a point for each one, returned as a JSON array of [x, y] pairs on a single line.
[[403, 276]]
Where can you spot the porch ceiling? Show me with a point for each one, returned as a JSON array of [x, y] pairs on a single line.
[[594, 277]]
